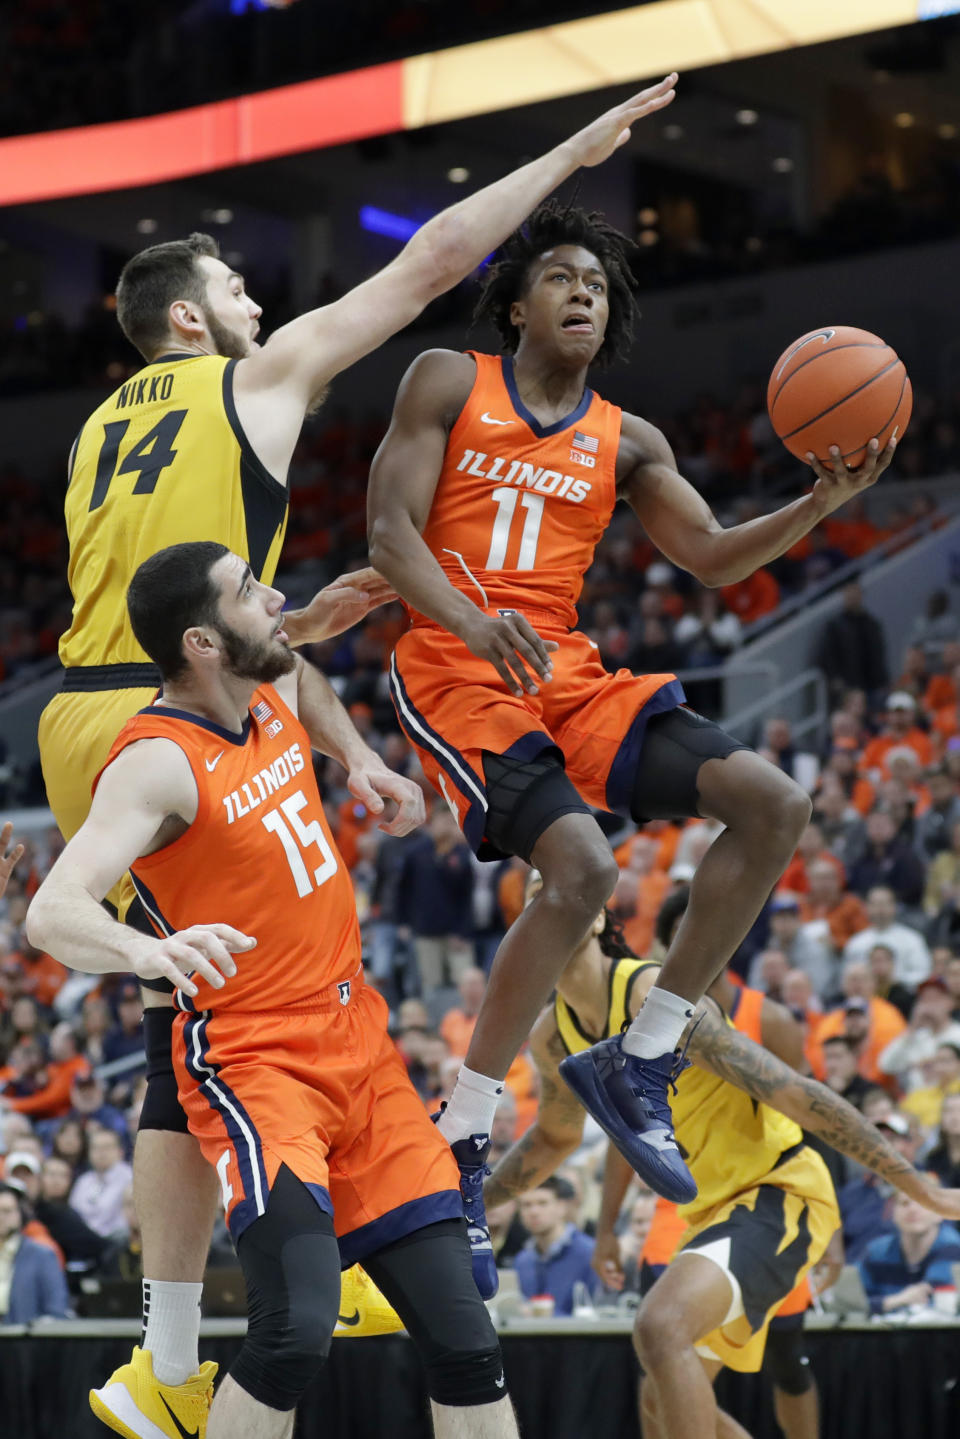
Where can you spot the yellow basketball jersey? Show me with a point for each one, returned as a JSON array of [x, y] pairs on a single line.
[[730, 1142], [620, 982], [164, 460]]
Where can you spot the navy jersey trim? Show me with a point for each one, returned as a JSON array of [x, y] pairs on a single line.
[[265, 499], [542, 432], [208, 724]]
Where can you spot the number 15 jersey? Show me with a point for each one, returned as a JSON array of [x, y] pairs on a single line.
[[259, 855], [164, 460], [519, 506]]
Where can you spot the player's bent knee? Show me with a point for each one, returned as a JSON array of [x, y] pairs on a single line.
[[161, 1103], [464, 1380], [787, 1363]]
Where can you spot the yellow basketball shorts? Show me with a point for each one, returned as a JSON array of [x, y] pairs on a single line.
[[75, 733], [765, 1239]]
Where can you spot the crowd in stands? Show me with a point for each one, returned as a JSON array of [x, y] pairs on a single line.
[[860, 941]]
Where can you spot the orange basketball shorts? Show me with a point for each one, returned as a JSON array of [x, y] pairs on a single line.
[[453, 706], [321, 1089]]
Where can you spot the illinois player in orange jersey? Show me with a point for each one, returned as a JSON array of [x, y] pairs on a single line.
[[495, 481], [290, 1083]]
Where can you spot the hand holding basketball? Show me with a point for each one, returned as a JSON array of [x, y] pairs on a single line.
[[837, 483], [598, 141]]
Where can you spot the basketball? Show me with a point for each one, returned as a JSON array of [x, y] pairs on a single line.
[[838, 386]]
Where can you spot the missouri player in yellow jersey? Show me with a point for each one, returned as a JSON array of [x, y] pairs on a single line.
[[196, 447], [492, 487], [765, 1208]]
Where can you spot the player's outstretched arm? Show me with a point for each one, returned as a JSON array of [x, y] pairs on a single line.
[[715, 1046], [398, 800], [144, 787], [403, 482], [9, 857], [554, 1134], [684, 528], [309, 351], [342, 603]]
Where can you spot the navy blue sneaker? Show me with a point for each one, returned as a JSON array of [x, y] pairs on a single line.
[[628, 1099], [471, 1155]]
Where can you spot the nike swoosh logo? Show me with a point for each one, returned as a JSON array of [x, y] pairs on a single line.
[[212, 763], [350, 1320], [501, 1381], [489, 420], [187, 1433]]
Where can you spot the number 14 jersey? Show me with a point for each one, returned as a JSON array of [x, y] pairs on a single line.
[[519, 506], [164, 460], [259, 856]]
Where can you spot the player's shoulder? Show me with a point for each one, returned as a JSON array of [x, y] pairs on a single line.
[[148, 767], [438, 384]]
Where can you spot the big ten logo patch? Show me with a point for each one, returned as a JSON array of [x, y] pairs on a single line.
[[273, 728]]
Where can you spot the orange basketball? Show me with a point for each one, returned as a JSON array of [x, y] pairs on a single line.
[[838, 386]]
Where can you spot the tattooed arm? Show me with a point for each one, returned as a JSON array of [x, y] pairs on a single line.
[[555, 1133], [715, 1046]]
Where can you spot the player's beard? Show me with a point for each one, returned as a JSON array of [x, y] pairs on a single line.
[[226, 341], [253, 659]]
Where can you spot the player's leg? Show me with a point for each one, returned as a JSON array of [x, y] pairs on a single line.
[[688, 761], [689, 766], [291, 1265], [427, 1277], [693, 1297], [796, 1401]]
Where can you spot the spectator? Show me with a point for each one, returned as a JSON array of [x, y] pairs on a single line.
[[839, 914], [811, 848], [926, 1101], [882, 962], [852, 649], [70, 1143], [391, 960], [900, 728], [507, 1234], [125, 1037], [866, 1201], [436, 888], [803, 950], [901, 1270], [88, 1104], [503, 1131], [943, 875], [839, 820], [32, 1285], [124, 1258], [752, 598], [931, 1024], [458, 1023], [638, 1272], [768, 973], [887, 860], [557, 1255], [935, 829], [48, 1094], [82, 1247], [97, 1196], [778, 747], [937, 625], [911, 955], [944, 1159], [951, 978], [840, 1069], [870, 1022]]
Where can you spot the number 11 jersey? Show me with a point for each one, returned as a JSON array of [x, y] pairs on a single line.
[[164, 460], [519, 506]]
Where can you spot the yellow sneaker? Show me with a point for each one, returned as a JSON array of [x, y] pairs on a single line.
[[363, 1309], [135, 1404]]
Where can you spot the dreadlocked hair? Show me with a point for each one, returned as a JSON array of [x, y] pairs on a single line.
[[612, 939], [552, 224]]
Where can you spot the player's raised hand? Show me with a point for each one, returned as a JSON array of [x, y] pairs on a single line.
[[344, 602], [606, 1260], [837, 483], [397, 799], [203, 950], [598, 141], [511, 643], [9, 858]]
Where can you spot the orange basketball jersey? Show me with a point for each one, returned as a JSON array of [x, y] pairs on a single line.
[[520, 506], [746, 1012], [258, 856]]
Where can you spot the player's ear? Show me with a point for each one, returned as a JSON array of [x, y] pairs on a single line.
[[186, 318], [599, 923], [518, 314], [200, 642]]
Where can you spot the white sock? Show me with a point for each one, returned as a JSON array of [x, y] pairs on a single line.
[[171, 1328], [471, 1107], [659, 1025]]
